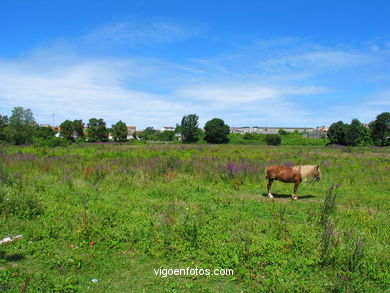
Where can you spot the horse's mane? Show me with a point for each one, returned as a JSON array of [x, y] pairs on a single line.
[[306, 170]]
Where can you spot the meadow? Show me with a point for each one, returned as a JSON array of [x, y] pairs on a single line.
[[103, 217]]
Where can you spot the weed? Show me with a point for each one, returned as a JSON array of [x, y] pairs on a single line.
[[144, 206]]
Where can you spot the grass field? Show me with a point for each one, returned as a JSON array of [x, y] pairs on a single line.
[[115, 213]]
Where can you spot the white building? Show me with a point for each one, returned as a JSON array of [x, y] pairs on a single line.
[[167, 128], [268, 130]]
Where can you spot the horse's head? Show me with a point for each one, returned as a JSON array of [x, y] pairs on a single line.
[[317, 173]]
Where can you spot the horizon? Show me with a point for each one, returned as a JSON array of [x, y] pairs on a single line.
[[270, 63], [162, 126]]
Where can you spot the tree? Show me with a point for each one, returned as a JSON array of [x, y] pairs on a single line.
[[97, 130], [166, 135], [216, 131], [357, 134], [21, 117], [336, 133], [119, 131], [148, 133], [21, 122], [67, 130], [380, 129], [273, 139], [43, 132], [189, 128], [178, 128], [3, 126], [78, 127]]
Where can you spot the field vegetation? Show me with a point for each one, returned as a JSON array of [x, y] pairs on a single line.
[[102, 217]]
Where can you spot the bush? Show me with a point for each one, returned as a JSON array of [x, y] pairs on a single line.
[[22, 205], [79, 141], [273, 139], [249, 136], [282, 131], [52, 142]]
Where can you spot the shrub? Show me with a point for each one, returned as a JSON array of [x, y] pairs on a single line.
[[52, 142], [273, 139], [249, 136], [22, 205], [282, 131]]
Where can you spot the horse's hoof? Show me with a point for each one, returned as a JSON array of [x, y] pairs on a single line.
[[270, 195], [294, 198]]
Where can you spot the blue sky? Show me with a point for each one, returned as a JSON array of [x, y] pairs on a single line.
[[148, 63]]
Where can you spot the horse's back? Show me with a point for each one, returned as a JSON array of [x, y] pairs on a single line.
[[271, 172], [284, 174]]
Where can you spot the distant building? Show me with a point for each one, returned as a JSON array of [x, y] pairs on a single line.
[[268, 130], [130, 131], [167, 128], [323, 128]]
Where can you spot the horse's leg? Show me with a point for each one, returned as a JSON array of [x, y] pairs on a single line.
[[270, 181], [294, 197]]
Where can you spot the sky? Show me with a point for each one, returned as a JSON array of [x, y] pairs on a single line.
[[149, 63]]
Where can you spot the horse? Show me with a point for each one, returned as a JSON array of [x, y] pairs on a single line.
[[295, 174]]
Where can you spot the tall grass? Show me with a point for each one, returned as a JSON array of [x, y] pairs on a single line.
[[147, 206]]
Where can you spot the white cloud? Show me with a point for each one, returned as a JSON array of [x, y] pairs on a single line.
[[276, 83], [81, 89], [229, 95]]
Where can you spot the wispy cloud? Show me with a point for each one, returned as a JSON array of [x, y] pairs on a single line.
[[82, 89], [281, 82], [140, 32], [294, 57], [233, 95], [319, 59]]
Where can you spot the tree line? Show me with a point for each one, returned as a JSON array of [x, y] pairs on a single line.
[[356, 134], [21, 128]]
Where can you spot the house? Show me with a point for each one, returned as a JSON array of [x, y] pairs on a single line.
[[167, 128], [130, 131]]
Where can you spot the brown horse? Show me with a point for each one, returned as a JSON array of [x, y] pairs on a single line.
[[295, 174]]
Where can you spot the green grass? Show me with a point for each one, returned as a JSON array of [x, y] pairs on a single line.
[[179, 206], [288, 139]]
